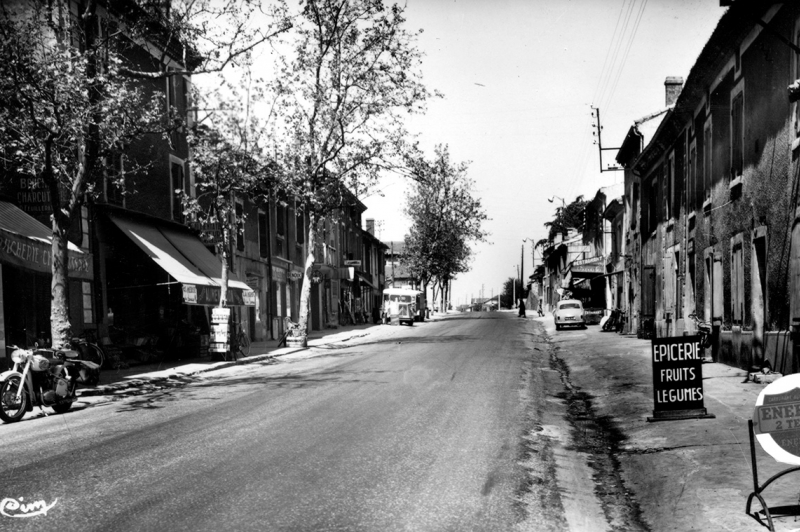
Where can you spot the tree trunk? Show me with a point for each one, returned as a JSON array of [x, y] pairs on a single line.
[[425, 296], [226, 237], [305, 289], [59, 289]]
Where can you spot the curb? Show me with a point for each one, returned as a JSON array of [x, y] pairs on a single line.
[[111, 389]]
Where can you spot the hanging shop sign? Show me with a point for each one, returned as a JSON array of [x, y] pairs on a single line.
[[677, 378], [38, 256], [209, 296], [278, 274], [219, 342], [189, 294], [776, 419], [249, 298], [356, 263]]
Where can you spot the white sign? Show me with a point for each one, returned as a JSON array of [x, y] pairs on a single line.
[[189, 293], [220, 315], [776, 419], [249, 298]]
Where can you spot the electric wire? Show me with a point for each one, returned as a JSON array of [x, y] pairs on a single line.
[[627, 51], [610, 46], [617, 46]]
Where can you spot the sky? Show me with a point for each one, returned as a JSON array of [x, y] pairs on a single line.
[[519, 78]]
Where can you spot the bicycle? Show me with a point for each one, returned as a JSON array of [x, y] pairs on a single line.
[[615, 321], [242, 342], [89, 350], [704, 330]]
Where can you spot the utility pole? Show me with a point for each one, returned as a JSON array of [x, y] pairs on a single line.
[[599, 143]]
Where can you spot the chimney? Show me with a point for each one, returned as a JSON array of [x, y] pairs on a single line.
[[371, 226], [672, 86]]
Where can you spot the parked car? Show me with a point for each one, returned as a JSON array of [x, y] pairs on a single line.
[[569, 312]]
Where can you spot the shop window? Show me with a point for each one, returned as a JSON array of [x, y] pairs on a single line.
[[88, 307], [263, 234]]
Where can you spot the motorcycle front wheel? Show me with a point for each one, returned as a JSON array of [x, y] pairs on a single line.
[[11, 409]]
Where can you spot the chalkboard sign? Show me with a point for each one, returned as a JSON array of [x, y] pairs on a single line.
[[677, 378]]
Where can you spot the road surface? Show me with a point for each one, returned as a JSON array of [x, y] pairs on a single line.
[[432, 427]]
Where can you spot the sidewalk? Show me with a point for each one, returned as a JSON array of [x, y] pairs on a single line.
[[114, 381], [692, 474]]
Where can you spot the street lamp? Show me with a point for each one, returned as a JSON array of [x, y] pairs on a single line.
[[563, 203]]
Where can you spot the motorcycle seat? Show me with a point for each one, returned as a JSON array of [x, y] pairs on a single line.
[[69, 353]]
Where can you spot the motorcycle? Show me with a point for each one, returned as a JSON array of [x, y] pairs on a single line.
[[42, 377]]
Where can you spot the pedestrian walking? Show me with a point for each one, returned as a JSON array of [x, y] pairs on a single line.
[[521, 308], [541, 313]]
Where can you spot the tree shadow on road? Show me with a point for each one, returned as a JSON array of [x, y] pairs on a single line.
[[259, 384], [401, 340]]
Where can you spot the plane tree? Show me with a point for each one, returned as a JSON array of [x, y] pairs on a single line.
[[348, 75], [446, 219], [73, 93]]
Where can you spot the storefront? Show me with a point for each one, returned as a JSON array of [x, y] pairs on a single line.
[[25, 279], [162, 283]]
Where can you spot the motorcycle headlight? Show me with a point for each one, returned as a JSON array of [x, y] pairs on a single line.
[[19, 356]]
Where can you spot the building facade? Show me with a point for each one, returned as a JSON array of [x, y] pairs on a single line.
[[718, 194]]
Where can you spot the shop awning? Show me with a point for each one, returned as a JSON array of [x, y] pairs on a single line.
[[27, 243], [364, 279], [184, 257]]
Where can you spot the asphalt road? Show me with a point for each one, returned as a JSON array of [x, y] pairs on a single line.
[[414, 429]]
